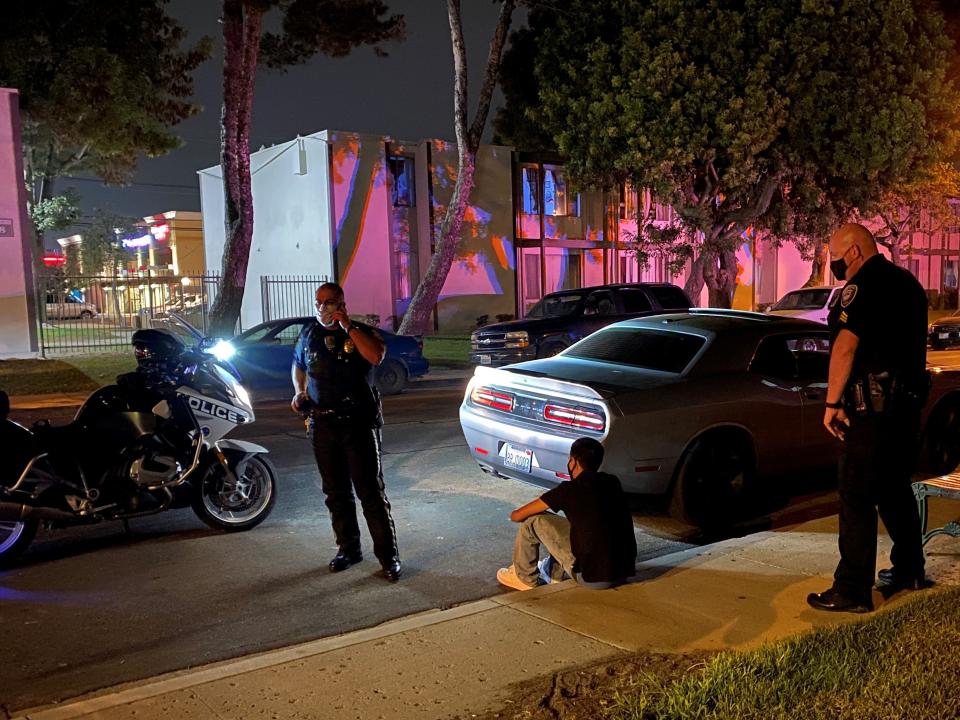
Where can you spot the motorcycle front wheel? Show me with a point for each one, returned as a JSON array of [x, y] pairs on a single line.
[[233, 506], [14, 538]]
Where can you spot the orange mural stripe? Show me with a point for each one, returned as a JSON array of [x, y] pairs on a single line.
[[363, 221]]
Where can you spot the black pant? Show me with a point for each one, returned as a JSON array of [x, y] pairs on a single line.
[[348, 457], [876, 463]]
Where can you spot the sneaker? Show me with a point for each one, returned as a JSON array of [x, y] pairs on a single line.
[[508, 576], [545, 567]]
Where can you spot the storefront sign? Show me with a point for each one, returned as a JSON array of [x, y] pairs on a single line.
[[137, 242]]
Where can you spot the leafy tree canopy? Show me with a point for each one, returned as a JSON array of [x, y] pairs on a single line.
[[101, 82], [777, 113]]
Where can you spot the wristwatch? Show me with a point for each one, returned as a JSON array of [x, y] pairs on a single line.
[[834, 405]]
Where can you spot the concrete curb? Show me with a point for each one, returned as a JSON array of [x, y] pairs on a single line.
[[186, 679]]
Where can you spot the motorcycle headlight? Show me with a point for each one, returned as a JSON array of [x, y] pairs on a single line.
[[223, 350]]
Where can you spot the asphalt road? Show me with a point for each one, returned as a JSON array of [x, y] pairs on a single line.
[[92, 607]]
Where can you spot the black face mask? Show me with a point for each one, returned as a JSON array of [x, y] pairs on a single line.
[[570, 469], [839, 268]]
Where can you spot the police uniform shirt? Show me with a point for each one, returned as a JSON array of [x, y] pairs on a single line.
[[338, 376], [885, 306]]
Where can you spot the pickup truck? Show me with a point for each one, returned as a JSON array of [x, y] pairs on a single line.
[[562, 318]]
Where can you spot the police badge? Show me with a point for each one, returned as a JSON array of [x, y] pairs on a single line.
[[348, 345]]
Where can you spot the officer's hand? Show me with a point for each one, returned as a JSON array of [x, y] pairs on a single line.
[[342, 317], [836, 422], [297, 400]]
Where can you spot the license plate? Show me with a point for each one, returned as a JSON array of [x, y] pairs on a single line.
[[944, 336], [517, 458], [485, 359]]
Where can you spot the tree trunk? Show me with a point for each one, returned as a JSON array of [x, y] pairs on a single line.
[[695, 280], [241, 39], [416, 321], [817, 266]]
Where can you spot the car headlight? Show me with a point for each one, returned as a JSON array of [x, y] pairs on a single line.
[[516, 339], [223, 350]]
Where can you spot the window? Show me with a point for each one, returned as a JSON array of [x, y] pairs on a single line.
[[402, 188], [628, 202], [558, 197], [289, 334], [599, 302], [634, 300], [655, 350], [812, 299], [774, 359], [664, 213], [556, 305], [670, 297], [529, 189]]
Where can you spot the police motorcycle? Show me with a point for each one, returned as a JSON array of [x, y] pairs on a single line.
[[154, 441]]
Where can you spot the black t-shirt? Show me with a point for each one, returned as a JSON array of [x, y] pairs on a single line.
[[338, 376], [601, 529], [885, 306]]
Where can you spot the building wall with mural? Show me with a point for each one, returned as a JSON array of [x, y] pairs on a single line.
[[291, 217], [481, 284]]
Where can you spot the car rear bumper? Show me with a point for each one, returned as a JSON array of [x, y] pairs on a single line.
[[417, 366]]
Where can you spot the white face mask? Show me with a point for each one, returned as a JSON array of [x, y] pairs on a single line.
[[325, 317], [320, 318]]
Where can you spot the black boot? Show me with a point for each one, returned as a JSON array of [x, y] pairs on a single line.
[[342, 560]]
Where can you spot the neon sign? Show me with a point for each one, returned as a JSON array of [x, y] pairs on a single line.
[[51, 259], [160, 232], [137, 242]]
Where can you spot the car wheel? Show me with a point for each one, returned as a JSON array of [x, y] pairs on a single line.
[[391, 377], [714, 483], [14, 539], [943, 438], [86, 315], [550, 349]]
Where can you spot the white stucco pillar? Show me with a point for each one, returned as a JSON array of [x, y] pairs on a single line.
[[18, 327]]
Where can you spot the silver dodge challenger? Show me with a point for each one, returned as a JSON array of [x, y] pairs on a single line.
[[707, 406]]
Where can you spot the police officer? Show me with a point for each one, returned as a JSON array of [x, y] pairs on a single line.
[[876, 390], [333, 380]]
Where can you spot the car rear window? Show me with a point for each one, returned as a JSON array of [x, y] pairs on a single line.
[[655, 350], [803, 300], [671, 298]]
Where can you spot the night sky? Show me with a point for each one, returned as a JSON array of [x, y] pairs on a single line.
[[408, 95]]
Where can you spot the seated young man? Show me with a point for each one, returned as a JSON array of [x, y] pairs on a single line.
[[594, 543]]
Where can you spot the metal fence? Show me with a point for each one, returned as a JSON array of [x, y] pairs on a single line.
[[284, 296], [91, 313]]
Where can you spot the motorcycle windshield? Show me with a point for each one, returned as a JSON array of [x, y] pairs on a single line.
[[179, 326]]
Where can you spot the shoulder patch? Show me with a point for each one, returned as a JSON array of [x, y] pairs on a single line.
[[849, 293]]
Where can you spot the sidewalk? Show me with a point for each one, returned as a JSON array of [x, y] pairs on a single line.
[[737, 593]]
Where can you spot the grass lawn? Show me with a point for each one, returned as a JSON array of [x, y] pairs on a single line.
[[451, 351], [903, 663], [81, 373]]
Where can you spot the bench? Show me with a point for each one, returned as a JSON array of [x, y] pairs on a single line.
[[945, 486]]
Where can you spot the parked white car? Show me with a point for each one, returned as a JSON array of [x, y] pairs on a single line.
[[810, 303], [63, 307]]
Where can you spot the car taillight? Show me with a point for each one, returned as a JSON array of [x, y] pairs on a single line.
[[574, 417], [492, 398]]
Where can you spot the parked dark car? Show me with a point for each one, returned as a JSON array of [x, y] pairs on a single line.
[[264, 353], [709, 408], [562, 318], [944, 332]]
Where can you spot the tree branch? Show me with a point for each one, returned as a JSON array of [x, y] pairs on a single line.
[[491, 73], [459, 75]]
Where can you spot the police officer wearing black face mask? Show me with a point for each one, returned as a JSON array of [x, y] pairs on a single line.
[[876, 391], [333, 380]]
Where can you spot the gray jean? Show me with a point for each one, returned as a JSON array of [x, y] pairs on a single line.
[[553, 533]]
